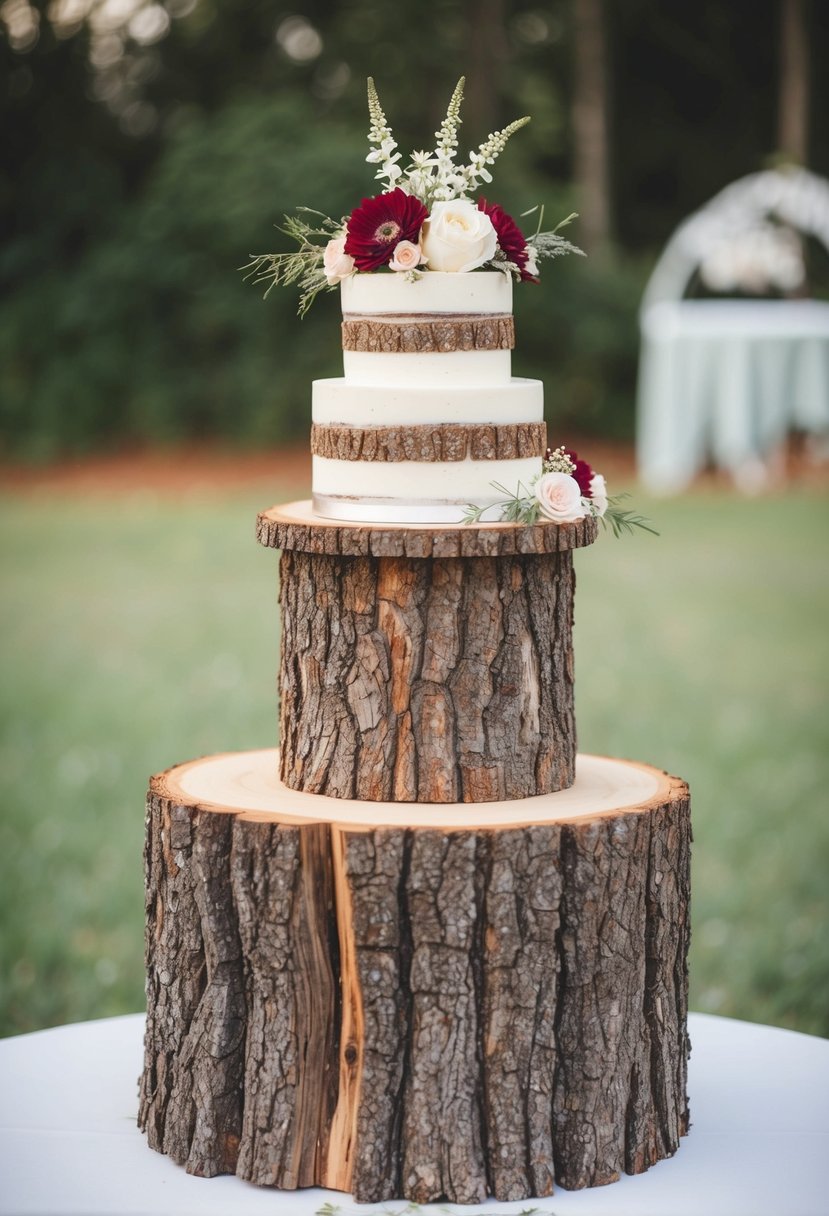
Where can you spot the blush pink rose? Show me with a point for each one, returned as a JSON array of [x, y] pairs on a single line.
[[406, 256], [338, 264], [559, 498]]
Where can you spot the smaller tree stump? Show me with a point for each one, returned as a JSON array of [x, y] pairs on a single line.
[[425, 663], [434, 1003]]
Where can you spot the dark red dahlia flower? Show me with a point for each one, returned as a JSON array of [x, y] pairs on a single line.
[[582, 473], [511, 240], [378, 224]]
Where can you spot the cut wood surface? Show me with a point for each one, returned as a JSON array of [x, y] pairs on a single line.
[[402, 334], [445, 441], [396, 1006], [295, 526]]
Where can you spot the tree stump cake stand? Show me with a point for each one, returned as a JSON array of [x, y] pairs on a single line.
[[436, 958], [425, 663], [435, 1002]]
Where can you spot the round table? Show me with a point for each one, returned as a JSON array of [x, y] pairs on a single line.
[[727, 380], [758, 1144]]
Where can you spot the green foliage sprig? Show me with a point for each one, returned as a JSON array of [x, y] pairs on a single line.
[[303, 265], [517, 508], [551, 244], [622, 522]]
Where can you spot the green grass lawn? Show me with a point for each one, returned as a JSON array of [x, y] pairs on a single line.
[[139, 632]]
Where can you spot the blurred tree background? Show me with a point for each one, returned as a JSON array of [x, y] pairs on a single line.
[[149, 147]]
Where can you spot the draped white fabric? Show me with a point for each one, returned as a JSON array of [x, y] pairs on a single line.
[[69, 1144], [726, 381]]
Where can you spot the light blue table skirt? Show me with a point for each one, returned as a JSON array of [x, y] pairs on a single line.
[[725, 381]]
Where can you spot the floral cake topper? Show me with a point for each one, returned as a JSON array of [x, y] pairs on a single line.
[[424, 220]]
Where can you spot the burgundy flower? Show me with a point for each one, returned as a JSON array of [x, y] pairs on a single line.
[[511, 240], [582, 473], [379, 224]]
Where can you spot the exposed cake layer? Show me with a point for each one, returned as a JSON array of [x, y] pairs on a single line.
[[447, 441], [338, 400], [414, 333], [417, 491], [433, 292], [436, 368]]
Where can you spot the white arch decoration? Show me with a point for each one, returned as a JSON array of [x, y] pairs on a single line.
[[793, 196]]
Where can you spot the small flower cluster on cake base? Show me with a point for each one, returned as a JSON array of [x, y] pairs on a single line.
[[566, 491]]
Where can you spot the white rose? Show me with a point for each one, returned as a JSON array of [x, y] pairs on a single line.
[[598, 488], [458, 237], [559, 498], [337, 263], [406, 256]]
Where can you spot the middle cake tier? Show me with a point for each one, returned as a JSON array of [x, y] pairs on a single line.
[[427, 416]]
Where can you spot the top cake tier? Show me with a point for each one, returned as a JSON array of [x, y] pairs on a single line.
[[487, 291], [427, 415], [442, 329]]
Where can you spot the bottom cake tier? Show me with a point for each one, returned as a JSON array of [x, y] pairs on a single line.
[[430, 1002]]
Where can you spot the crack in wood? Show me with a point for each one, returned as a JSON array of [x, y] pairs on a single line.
[[427, 680]]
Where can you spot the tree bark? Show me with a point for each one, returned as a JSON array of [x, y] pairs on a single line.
[[427, 680], [446, 441], [411, 676], [416, 1007], [486, 52], [793, 108], [427, 334], [590, 125]]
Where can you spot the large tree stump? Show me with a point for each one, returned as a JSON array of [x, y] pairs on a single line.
[[441, 1002], [425, 663]]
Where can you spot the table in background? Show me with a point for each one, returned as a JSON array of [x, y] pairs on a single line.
[[759, 1141], [726, 381]]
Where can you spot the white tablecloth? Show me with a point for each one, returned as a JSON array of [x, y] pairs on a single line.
[[727, 380], [759, 1142]]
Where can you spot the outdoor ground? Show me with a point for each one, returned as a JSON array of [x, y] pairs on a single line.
[[140, 629]]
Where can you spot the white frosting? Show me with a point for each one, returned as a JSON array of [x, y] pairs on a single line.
[[396, 405], [435, 368], [488, 291], [450, 481]]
